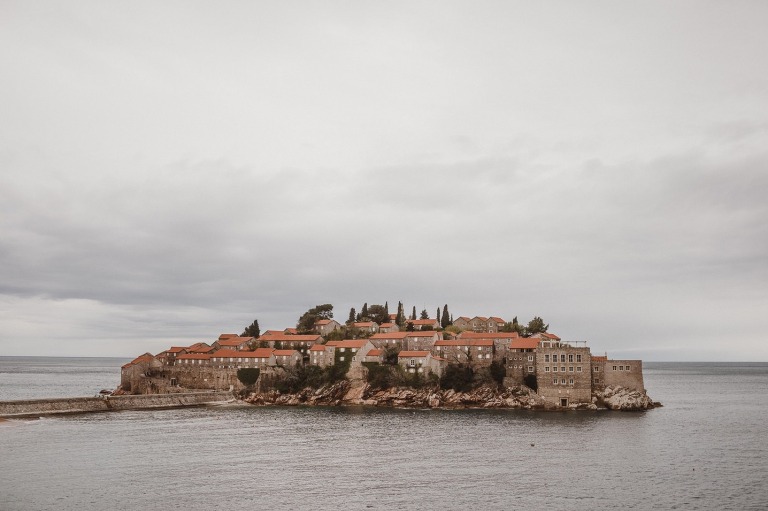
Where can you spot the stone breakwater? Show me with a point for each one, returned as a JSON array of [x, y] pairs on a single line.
[[40, 407], [348, 393]]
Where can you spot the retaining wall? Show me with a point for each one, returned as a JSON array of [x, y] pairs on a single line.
[[38, 407]]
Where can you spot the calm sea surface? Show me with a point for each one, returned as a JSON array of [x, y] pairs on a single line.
[[706, 449]]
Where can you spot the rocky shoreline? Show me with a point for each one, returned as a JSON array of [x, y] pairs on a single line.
[[355, 393]]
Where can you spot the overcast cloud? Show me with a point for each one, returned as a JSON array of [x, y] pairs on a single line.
[[171, 171]]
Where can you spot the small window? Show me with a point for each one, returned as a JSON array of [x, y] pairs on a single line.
[[530, 358], [554, 382], [546, 358], [570, 369], [562, 357], [341, 359], [597, 369], [412, 362], [578, 369], [570, 381], [554, 369], [578, 358], [546, 369], [530, 369], [614, 368], [626, 368], [570, 358], [562, 381]]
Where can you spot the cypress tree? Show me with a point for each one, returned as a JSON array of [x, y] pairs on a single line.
[[438, 317], [413, 314], [364, 311], [447, 320], [351, 316]]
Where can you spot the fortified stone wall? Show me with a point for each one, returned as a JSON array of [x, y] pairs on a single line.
[[36, 407], [625, 373], [564, 373]]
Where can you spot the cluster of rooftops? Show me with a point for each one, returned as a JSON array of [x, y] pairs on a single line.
[[480, 343]]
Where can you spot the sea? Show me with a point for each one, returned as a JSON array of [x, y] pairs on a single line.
[[706, 448]]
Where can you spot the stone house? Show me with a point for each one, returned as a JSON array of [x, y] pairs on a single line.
[[501, 341], [563, 372], [462, 322], [420, 340], [521, 358], [351, 350], [260, 357], [300, 343], [326, 326], [375, 355], [135, 375], [288, 358], [236, 343], [193, 359], [388, 327], [200, 347], [168, 357], [321, 355], [476, 352], [367, 326], [421, 362], [388, 339]]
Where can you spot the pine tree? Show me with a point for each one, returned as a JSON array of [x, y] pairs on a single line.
[[424, 314], [252, 330], [351, 316], [364, 312], [447, 320]]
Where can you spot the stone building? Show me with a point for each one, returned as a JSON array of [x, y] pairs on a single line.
[[421, 362], [521, 359], [388, 339], [476, 352], [326, 326], [563, 372], [134, 376], [624, 373]]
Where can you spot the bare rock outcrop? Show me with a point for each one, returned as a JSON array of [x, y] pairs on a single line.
[[620, 398]]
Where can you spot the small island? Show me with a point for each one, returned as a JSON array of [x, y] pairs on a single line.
[[393, 360]]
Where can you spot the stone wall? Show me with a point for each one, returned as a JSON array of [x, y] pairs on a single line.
[[623, 373], [37, 407], [571, 371]]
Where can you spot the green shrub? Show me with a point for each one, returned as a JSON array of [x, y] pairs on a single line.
[[248, 375], [498, 372], [457, 377]]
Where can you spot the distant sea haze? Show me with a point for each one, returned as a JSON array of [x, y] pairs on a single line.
[[705, 449]]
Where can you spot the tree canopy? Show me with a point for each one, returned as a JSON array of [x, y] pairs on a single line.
[[306, 323], [252, 330]]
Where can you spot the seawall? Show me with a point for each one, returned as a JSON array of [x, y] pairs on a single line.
[[39, 407]]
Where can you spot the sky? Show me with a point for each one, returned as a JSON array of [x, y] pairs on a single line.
[[170, 171]]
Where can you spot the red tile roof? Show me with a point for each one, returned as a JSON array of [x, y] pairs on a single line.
[[390, 335], [348, 343], [524, 343], [286, 337], [489, 335], [146, 357], [420, 322], [599, 358], [464, 342], [376, 352], [364, 324], [424, 333], [290, 331], [404, 354], [387, 325], [550, 336], [226, 336], [284, 353], [176, 349], [318, 347], [497, 319], [234, 341], [323, 321], [194, 356]]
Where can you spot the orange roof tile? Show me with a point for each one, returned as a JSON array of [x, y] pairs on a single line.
[[464, 342], [404, 354], [489, 335], [146, 357], [226, 336], [348, 343], [390, 335], [194, 356], [318, 347], [524, 343], [599, 358], [287, 337], [284, 353], [376, 352]]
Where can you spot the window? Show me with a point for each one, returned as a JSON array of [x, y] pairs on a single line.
[[412, 362], [597, 369], [578, 369], [554, 369], [530, 369], [570, 358], [578, 358], [570, 381], [562, 381], [570, 369], [554, 382], [341, 359], [562, 357], [614, 368], [626, 368], [546, 358], [546, 369], [530, 358]]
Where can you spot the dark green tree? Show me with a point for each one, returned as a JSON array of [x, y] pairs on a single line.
[[386, 309], [378, 313], [248, 375], [438, 317], [400, 317], [252, 330], [306, 323], [424, 314], [364, 313], [446, 320], [351, 316], [409, 326], [413, 314], [535, 326]]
